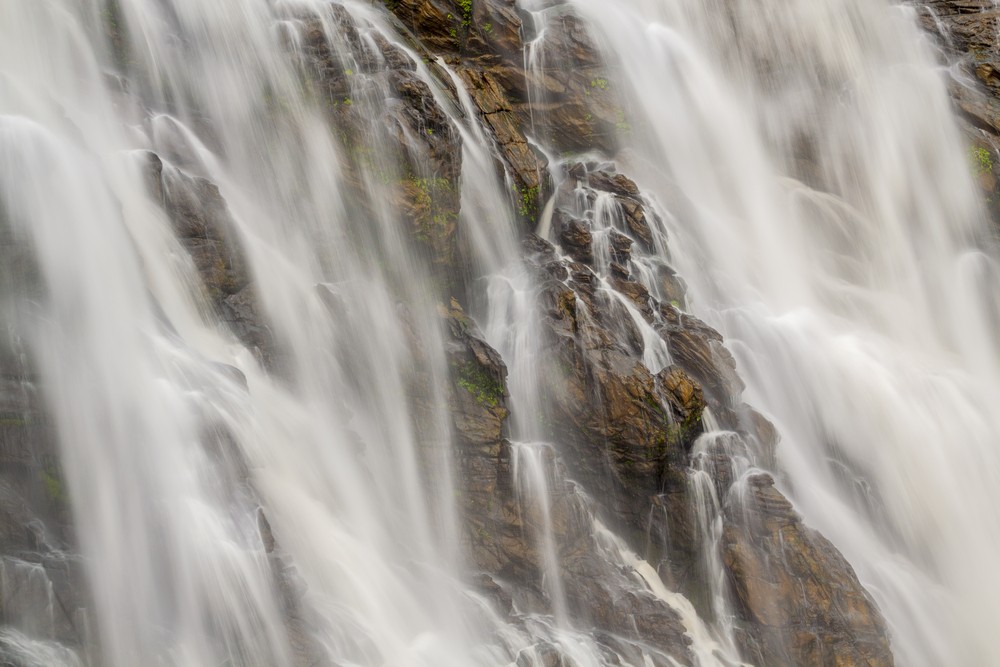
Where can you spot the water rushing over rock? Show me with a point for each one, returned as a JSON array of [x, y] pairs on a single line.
[[427, 332]]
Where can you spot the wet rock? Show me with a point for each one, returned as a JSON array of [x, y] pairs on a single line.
[[224, 273], [242, 313], [672, 288], [798, 600], [528, 168], [630, 429], [574, 102], [614, 183], [487, 29], [393, 133], [699, 349], [194, 205], [621, 248], [36, 533], [477, 400], [499, 26], [632, 434], [439, 150], [483, 41], [204, 226], [632, 217], [636, 293], [429, 207], [435, 23], [574, 235], [479, 376]]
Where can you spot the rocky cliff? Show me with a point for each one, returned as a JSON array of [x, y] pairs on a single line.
[[638, 448]]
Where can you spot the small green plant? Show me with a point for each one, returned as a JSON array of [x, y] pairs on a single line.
[[599, 83], [527, 204], [53, 485], [621, 124], [432, 213], [466, 7], [980, 160], [485, 389]]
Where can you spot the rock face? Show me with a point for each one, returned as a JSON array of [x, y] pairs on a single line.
[[628, 377], [966, 31], [808, 611], [501, 527], [627, 435], [418, 161], [202, 223]]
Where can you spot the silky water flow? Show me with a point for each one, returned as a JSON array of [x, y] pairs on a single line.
[[228, 515]]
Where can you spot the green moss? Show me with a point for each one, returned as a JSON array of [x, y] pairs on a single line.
[[621, 124], [527, 202], [466, 7], [673, 433], [432, 208], [980, 160], [481, 385], [12, 419], [599, 83], [53, 485]]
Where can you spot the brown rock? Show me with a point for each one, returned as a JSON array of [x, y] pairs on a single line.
[[799, 600]]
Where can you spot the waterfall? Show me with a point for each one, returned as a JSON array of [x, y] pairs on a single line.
[[858, 302], [278, 379]]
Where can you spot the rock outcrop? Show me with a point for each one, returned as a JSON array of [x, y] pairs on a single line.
[[374, 97], [966, 31], [625, 433], [502, 526], [203, 225]]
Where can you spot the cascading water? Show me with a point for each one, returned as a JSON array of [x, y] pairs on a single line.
[[227, 515], [858, 300], [281, 488]]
